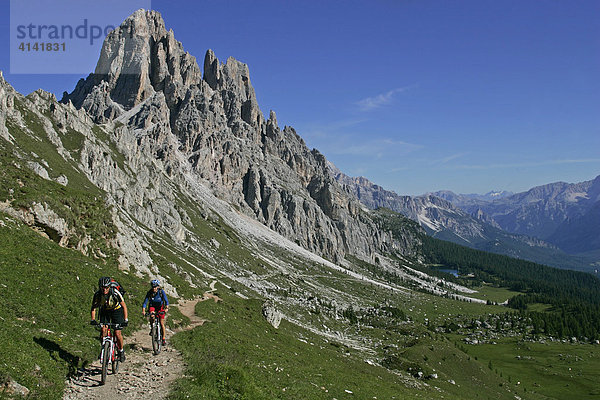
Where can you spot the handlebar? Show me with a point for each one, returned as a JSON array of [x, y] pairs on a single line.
[[155, 313], [99, 325]]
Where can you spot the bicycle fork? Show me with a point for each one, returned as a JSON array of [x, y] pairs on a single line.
[[156, 325], [105, 339]]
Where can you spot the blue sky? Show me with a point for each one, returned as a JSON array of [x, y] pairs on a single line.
[[415, 95]]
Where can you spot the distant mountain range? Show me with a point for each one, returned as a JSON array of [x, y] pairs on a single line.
[[564, 214], [472, 198], [470, 220]]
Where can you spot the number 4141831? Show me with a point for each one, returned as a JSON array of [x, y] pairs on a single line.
[[42, 46]]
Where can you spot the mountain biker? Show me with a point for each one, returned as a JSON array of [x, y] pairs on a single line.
[[156, 299], [112, 308]]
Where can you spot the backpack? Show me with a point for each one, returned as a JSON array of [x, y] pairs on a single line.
[[150, 295], [110, 301], [117, 286]]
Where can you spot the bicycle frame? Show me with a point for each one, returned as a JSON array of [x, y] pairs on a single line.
[[108, 342], [155, 317], [156, 327], [110, 337]]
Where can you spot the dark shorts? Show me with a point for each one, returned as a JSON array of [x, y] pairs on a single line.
[[157, 309], [115, 316]]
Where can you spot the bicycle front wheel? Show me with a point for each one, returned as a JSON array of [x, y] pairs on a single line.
[[156, 342], [105, 361]]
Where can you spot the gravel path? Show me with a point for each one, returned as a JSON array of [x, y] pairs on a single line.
[[142, 375]]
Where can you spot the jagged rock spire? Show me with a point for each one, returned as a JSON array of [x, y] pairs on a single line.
[[138, 58], [212, 70], [141, 58], [233, 77]]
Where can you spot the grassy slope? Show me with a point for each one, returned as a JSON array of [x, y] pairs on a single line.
[[237, 352], [47, 293], [238, 355], [554, 369], [48, 288]]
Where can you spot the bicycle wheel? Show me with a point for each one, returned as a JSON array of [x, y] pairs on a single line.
[[115, 361], [155, 339], [105, 361], [160, 336]]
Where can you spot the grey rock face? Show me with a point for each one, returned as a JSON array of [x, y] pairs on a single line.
[[6, 104], [212, 70], [137, 59], [271, 314], [12, 387], [38, 169], [213, 126], [433, 213], [541, 210], [44, 220]]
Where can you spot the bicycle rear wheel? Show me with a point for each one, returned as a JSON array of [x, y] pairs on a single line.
[[105, 361], [115, 361]]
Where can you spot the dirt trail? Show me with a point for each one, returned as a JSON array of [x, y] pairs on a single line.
[[142, 375]]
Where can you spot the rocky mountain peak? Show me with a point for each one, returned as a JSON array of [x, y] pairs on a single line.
[[272, 125], [210, 129], [141, 58], [138, 59], [4, 88]]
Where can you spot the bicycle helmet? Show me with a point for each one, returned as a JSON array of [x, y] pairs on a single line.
[[155, 283], [104, 282]]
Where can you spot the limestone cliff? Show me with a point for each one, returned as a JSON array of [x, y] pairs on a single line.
[[212, 125]]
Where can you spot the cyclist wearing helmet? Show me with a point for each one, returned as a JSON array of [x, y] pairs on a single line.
[[156, 299], [112, 308]]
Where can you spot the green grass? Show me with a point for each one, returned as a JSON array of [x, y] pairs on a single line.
[[553, 369], [492, 293], [48, 289], [84, 211], [238, 355], [73, 141], [35, 141]]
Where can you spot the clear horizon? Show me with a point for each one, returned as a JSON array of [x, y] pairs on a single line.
[[418, 97]]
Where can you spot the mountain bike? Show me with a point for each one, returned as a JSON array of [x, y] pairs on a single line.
[[108, 350], [156, 330]]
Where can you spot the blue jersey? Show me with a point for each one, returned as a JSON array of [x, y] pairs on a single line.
[[156, 299]]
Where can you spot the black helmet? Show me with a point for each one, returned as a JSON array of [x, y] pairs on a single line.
[[104, 281]]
